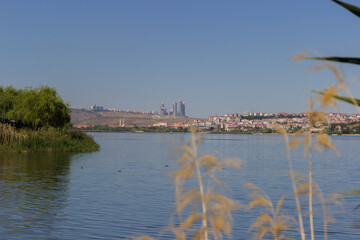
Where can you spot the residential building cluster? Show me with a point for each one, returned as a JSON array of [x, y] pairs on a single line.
[[97, 108], [251, 121], [248, 121]]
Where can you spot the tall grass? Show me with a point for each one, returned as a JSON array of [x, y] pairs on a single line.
[[45, 140], [204, 214], [272, 222], [208, 214], [9, 135], [211, 209]]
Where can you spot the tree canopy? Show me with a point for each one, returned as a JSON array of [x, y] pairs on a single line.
[[34, 107]]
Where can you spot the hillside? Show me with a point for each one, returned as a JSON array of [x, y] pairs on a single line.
[[82, 117]]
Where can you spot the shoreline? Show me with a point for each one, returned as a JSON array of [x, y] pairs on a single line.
[[207, 132]]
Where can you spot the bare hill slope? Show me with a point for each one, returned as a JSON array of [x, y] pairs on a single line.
[[82, 117]]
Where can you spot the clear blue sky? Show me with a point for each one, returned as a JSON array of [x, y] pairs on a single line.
[[218, 56]]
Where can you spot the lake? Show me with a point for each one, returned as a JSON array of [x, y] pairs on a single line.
[[126, 189]]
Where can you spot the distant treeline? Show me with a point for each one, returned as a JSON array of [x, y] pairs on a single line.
[[334, 128], [269, 117], [344, 128], [107, 128]]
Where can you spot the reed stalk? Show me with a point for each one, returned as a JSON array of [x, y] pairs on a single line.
[[310, 189], [293, 181]]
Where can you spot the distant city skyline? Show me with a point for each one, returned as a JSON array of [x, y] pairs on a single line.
[[219, 56], [176, 111]]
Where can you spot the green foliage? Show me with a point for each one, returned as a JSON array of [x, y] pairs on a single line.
[[51, 140], [354, 9], [106, 128], [34, 107], [256, 117], [7, 99], [337, 59], [341, 98]]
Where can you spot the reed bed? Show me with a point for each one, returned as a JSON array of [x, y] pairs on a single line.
[[45, 140], [9, 135]]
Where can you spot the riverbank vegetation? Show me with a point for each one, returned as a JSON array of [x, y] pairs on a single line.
[[106, 128], [37, 120], [331, 129]]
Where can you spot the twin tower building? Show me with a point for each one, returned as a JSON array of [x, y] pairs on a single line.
[[178, 110]]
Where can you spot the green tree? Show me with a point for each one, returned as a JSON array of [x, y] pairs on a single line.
[[7, 99], [35, 107]]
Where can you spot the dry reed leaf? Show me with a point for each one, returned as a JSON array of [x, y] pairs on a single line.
[[299, 177], [217, 181], [316, 117], [258, 201], [252, 186], [303, 189], [144, 237], [272, 221], [300, 56], [219, 222], [279, 204], [264, 218], [327, 99], [310, 105], [210, 209], [324, 142], [307, 145], [280, 130], [188, 150], [184, 172], [338, 75], [186, 198], [209, 163], [295, 142], [261, 232], [193, 218], [232, 163]]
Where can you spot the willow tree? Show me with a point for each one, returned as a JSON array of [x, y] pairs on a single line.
[[35, 107], [7, 100]]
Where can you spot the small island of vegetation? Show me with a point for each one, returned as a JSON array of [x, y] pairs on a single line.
[[37, 120]]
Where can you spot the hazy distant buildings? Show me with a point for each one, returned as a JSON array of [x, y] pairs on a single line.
[[163, 109], [178, 110], [175, 112], [181, 109], [97, 108]]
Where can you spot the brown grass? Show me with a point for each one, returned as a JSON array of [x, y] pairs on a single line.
[[8, 134], [201, 205], [272, 221], [213, 211]]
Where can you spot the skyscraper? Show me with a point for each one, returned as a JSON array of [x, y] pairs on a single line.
[[178, 110], [175, 111], [163, 109], [181, 112]]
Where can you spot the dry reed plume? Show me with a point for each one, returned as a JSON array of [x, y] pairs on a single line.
[[316, 125], [272, 221], [208, 213], [8, 134], [318, 121]]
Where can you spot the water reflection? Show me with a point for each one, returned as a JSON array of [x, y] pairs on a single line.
[[33, 192]]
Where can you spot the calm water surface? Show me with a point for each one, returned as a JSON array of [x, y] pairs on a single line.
[[125, 189]]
